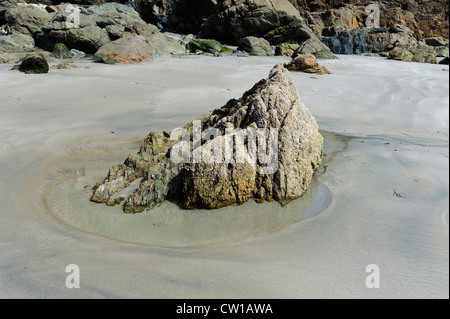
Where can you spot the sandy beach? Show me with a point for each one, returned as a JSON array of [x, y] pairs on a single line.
[[381, 198]]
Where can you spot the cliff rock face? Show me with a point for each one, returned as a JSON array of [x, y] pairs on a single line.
[[235, 20], [426, 18], [265, 146]]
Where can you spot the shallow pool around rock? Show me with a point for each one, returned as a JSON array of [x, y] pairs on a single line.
[[67, 197]]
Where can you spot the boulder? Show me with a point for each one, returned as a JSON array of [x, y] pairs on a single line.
[[26, 20], [132, 49], [421, 54], [127, 50], [271, 110], [188, 16], [99, 25], [315, 47], [77, 54], [401, 54], [424, 54], [255, 46], [347, 42], [60, 51], [235, 20], [17, 42], [204, 45], [306, 63], [286, 49], [34, 63], [165, 46], [437, 42], [88, 39]]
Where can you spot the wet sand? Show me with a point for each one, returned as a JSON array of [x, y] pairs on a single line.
[[383, 198]]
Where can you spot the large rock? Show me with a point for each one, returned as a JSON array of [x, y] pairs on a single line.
[[60, 51], [255, 46], [315, 47], [204, 45], [26, 20], [235, 20], [347, 42], [272, 110], [286, 49], [421, 54], [99, 25], [88, 39], [34, 63], [306, 63], [334, 20], [132, 49], [401, 54], [16, 42]]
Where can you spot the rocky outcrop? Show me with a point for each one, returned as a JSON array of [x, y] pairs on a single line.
[[398, 42], [421, 54], [285, 134], [306, 63], [357, 41], [235, 20], [98, 26], [26, 20], [255, 46], [426, 19], [437, 42], [334, 20], [440, 45], [17, 42]]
